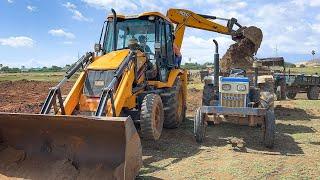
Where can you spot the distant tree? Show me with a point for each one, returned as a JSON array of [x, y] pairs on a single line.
[[289, 65], [7, 69], [302, 65], [55, 68]]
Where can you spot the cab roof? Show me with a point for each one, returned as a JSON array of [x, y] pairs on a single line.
[[158, 14]]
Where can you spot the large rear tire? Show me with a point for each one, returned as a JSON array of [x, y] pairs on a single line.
[[200, 126], [269, 130], [313, 93], [151, 117], [174, 104]]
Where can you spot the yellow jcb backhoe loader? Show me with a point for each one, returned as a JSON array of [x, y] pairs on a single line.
[[131, 81]]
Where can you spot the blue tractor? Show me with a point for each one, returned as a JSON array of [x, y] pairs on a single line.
[[241, 97]]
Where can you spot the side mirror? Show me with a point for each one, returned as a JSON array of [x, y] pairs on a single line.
[[97, 47], [157, 46]]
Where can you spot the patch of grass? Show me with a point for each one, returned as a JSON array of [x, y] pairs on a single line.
[[306, 70], [308, 104]]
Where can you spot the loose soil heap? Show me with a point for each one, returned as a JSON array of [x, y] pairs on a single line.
[[240, 54]]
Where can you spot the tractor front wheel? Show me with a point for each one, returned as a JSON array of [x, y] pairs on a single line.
[[200, 126], [291, 94], [269, 130]]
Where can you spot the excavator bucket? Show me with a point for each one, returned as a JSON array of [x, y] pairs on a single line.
[[254, 34], [35, 146]]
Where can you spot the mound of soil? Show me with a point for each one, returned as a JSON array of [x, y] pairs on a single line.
[[240, 54]]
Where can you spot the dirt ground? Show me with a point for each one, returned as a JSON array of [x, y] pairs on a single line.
[[176, 155]]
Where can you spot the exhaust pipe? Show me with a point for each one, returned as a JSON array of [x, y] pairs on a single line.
[[216, 67], [114, 29]]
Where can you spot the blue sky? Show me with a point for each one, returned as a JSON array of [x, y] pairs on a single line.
[[44, 33]]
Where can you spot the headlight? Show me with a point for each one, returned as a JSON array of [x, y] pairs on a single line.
[[226, 87], [241, 87]]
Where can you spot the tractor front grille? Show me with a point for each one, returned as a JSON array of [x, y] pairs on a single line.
[[233, 100]]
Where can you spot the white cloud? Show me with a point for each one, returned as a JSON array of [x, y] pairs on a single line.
[[116, 4], [31, 8], [315, 3], [61, 33], [238, 5], [10, 1], [201, 50], [311, 3], [286, 25], [68, 42], [69, 5], [19, 41], [316, 27], [77, 15]]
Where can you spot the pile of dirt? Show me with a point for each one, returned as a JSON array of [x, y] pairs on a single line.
[[25, 96], [240, 54], [17, 164]]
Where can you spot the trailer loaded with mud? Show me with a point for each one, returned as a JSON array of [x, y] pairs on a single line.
[[300, 83]]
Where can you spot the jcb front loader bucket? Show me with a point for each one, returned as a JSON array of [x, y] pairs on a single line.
[[111, 145]]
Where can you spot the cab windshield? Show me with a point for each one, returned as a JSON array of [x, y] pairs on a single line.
[[142, 30]]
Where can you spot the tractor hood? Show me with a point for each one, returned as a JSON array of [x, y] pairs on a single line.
[[111, 60]]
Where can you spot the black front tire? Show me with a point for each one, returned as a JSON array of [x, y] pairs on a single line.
[[151, 117], [291, 94], [269, 131], [200, 126]]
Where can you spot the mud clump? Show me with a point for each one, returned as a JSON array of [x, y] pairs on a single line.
[[9, 156], [63, 169], [240, 54]]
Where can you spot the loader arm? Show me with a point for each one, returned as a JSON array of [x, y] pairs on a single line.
[[123, 91], [185, 18]]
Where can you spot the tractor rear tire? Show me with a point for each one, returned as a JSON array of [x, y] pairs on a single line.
[[313, 93], [151, 117], [269, 131], [291, 94], [174, 104], [200, 126], [208, 95]]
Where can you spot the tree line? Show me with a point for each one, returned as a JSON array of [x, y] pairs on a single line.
[[190, 65], [8, 69]]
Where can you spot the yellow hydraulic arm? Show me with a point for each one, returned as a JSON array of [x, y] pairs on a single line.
[[185, 18]]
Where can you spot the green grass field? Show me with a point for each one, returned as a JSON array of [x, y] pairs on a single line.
[[306, 70]]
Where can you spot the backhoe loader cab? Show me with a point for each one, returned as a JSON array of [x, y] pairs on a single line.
[[154, 35]]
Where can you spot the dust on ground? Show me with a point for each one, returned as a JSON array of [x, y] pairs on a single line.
[[176, 155]]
